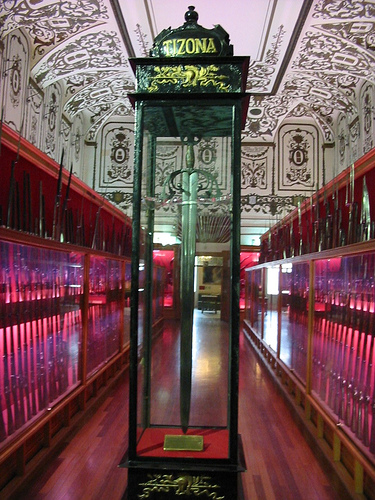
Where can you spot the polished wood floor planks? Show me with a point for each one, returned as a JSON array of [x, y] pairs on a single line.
[[280, 464]]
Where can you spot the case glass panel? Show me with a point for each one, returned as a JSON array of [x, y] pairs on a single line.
[[343, 340], [165, 259], [189, 197], [294, 317], [271, 317], [255, 301], [40, 330], [105, 317]]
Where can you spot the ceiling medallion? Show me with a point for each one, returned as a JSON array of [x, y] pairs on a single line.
[[120, 154], [298, 159]]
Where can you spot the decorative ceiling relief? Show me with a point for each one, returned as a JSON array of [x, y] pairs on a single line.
[[359, 34], [254, 167], [99, 95], [69, 138], [327, 53], [322, 94], [342, 135], [116, 167], [298, 158], [77, 139], [264, 122], [52, 123], [367, 108], [34, 110], [265, 207], [49, 23], [354, 134], [87, 53], [258, 178], [143, 44], [327, 9], [260, 72], [14, 73]]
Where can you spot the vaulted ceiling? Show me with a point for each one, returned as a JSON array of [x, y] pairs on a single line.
[[308, 58]]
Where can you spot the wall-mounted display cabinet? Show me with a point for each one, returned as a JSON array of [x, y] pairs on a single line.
[[313, 319], [64, 331]]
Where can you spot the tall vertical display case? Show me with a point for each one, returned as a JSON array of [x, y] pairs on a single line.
[[190, 90]]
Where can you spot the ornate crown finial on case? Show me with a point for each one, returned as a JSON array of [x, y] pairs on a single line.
[[191, 16]]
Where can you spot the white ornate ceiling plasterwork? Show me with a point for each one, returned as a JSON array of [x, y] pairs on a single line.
[[85, 45]]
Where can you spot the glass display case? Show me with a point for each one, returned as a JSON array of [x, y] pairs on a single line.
[[64, 315], [105, 311], [343, 369], [176, 442], [325, 326], [40, 330]]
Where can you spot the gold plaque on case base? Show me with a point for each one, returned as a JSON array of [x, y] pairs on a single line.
[[182, 443]]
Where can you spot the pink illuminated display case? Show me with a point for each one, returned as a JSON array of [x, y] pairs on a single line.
[[319, 322], [63, 317]]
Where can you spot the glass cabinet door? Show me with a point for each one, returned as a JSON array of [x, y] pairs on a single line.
[[177, 198]]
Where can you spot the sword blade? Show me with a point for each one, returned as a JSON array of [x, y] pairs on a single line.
[[189, 221]]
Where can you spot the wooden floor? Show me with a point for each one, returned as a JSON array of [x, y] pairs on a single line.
[[280, 464]]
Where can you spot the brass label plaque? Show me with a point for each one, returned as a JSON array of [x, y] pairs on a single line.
[[182, 443]]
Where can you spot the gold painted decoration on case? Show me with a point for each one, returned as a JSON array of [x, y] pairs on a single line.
[[188, 76], [194, 486]]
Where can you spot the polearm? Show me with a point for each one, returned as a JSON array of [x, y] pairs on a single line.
[[357, 382], [353, 210], [18, 417], [370, 358], [63, 235], [315, 227], [3, 432], [359, 430], [26, 216], [80, 240], [365, 213], [335, 358], [7, 384], [328, 224], [96, 229], [42, 212], [300, 236], [11, 195], [56, 208], [32, 362]]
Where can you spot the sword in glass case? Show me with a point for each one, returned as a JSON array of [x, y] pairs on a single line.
[[188, 187], [189, 221]]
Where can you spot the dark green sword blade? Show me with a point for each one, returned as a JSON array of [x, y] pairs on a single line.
[[189, 219]]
